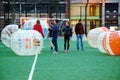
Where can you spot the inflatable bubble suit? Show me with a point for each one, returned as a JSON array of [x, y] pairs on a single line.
[[113, 43], [93, 35], [30, 24], [101, 42], [7, 32], [26, 42]]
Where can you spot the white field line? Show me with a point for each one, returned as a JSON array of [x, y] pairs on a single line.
[[33, 68]]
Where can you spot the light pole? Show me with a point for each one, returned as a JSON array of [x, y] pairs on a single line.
[[86, 17], [25, 8], [103, 12], [68, 8], [20, 10], [80, 12]]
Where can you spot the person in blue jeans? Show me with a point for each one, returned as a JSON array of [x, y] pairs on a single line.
[[79, 31], [55, 35]]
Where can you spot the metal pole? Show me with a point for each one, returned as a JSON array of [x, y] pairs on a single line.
[[4, 15], [68, 9], [40, 10], [80, 12], [60, 14], [35, 11], [103, 14], [8, 12], [55, 10], [86, 17], [25, 8], [19, 11]]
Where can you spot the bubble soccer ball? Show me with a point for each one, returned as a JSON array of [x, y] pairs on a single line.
[[93, 35], [101, 42], [26, 42], [7, 32], [30, 24], [112, 43]]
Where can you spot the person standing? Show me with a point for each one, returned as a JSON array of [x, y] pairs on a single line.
[[79, 31], [38, 27], [55, 35], [67, 34], [50, 35]]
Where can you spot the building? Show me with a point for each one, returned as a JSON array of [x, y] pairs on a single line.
[[12, 10], [1, 15], [99, 12]]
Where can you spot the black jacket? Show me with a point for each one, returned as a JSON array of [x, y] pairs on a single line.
[[67, 31], [79, 28]]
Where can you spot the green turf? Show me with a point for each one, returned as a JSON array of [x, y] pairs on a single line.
[[74, 65]]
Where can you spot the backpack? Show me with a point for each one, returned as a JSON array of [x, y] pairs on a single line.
[[67, 31]]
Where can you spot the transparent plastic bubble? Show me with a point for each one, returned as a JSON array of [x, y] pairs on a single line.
[[26, 42], [30, 24], [101, 42], [93, 35], [113, 43], [7, 32]]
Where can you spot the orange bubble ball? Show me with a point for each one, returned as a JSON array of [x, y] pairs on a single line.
[[111, 43]]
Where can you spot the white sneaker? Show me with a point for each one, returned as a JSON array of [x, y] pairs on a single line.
[[65, 51], [55, 52]]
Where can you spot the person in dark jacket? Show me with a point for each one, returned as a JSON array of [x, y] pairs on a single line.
[[50, 35], [55, 35], [67, 34], [79, 31]]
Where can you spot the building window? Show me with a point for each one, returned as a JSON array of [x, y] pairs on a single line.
[[92, 10], [111, 14]]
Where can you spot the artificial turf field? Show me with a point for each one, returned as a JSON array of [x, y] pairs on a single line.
[[89, 64]]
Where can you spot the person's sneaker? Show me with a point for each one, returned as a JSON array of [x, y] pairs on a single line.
[[65, 50], [77, 49], [51, 48], [82, 49], [55, 52]]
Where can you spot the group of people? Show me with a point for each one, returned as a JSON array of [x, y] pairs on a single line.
[[53, 34]]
